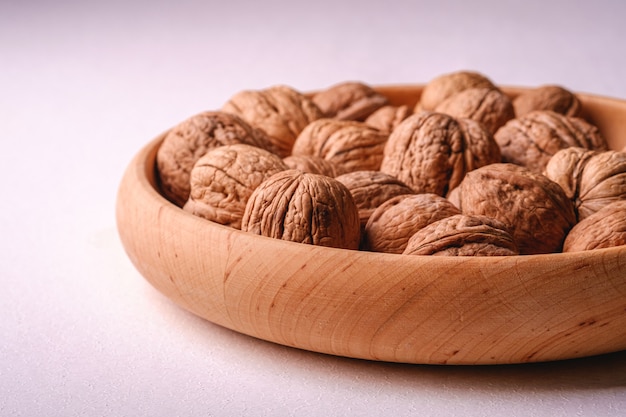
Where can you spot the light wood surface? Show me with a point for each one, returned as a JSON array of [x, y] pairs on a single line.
[[413, 309]]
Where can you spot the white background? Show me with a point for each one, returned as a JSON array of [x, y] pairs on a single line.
[[84, 86]]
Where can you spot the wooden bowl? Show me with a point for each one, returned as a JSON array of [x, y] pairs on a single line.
[[387, 307]]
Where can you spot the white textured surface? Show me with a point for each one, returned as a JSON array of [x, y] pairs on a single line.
[[84, 86]]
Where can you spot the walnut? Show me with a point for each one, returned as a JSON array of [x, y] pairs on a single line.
[[349, 101], [532, 139], [431, 152], [186, 142], [548, 97], [349, 145], [370, 189], [224, 178], [388, 117], [311, 164], [462, 235], [591, 179], [535, 209], [603, 229], [447, 85], [279, 111], [489, 106], [392, 223], [306, 208]]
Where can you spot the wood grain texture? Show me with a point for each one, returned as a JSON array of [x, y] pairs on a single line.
[[413, 309]]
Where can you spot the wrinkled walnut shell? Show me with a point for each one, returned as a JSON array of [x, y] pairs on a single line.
[[489, 106], [370, 189], [387, 118], [531, 140], [311, 164], [432, 152], [349, 145], [603, 229], [186, 142], [349, 101], [548, 97], [534, 208], [447, 85], [225, 177], [306, 208], [462, 235], [279, 111], [392, 224], [591, 179]]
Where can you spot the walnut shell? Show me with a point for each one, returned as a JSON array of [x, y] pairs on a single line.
[[186, 142], [591, 179], [349, 145], [534, 208], [532, 139], [224, 178], [489, 106], [388, 117], [351, 100], [447, 85], [312, 164], [548, 97], [603, 229], [431, 152], [462, 235], [370, 189], [306, 208], [279, 111], [391, 224]]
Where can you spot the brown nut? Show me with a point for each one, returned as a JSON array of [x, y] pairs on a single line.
[[186, 142], [349, 145], [279, 111], [603, 229], [447, 85], [349, 100], [431, 152], [306, 208], [387, 118], [532, 139], [462, 235], [548, 97], [224, 178], [489, 106], [591, 179], [392, 224], [534, 208], [370, 189], [311, 164]]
